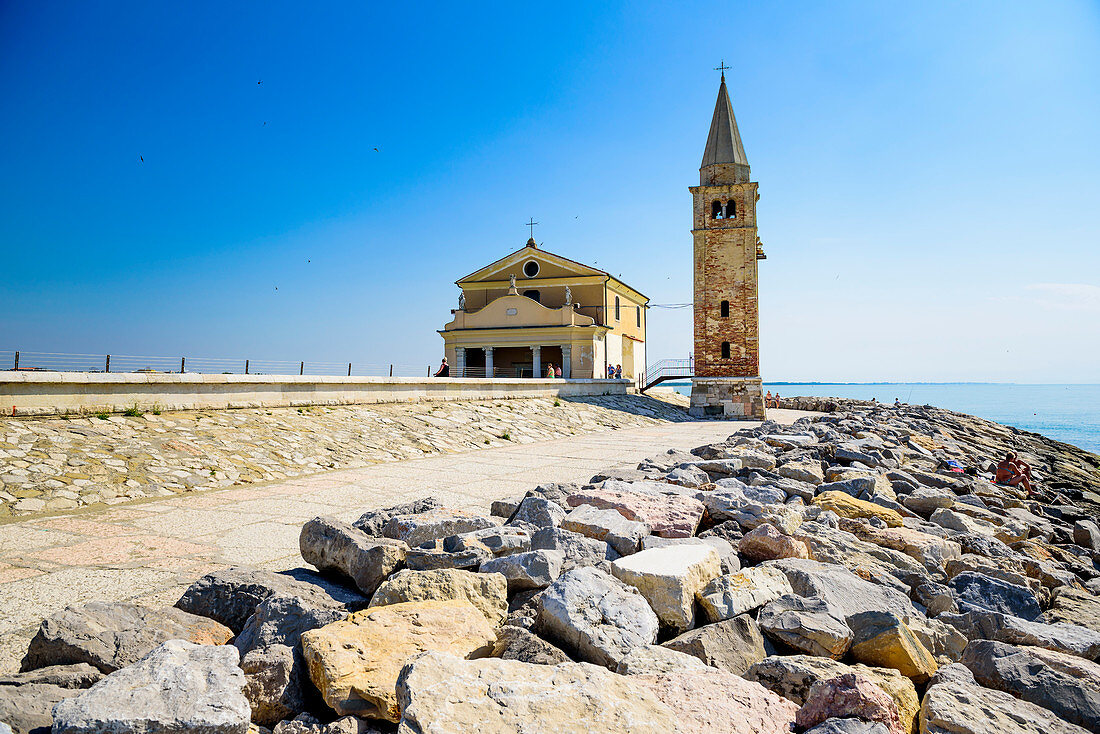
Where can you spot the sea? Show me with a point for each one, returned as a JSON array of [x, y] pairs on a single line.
[[1069, 413]]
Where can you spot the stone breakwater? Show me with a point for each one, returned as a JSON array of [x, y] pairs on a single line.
[[59, 464], [833, 576]]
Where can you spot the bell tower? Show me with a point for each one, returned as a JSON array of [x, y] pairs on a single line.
[[726, 249]]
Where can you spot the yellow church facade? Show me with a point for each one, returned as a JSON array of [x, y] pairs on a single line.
[[533, 308]]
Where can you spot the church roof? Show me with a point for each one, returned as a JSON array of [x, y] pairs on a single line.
[[724, 141]]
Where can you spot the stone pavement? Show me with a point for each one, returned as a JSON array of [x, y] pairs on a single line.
[[150, 550]]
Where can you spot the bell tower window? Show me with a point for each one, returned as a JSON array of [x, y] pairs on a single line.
[[725, 350], [731, 209], [616, 308], [725, 309], [716, 210]]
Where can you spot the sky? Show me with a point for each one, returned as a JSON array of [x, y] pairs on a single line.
[[930, 202]]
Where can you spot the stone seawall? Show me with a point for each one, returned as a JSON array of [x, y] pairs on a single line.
[[61, 463], [88, 393]]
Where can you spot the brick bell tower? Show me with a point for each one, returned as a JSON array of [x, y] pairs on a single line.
[[727, 353]]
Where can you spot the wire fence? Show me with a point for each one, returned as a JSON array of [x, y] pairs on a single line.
[[129, 363]]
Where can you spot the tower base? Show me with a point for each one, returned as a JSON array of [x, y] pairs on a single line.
[[732, 398]]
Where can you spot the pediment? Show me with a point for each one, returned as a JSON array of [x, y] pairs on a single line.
[[550, 266]]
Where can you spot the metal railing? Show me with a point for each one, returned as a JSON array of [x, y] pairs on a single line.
[[128, 363], [668, 369]]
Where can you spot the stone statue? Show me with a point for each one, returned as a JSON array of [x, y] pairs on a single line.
[[568, 296], [512, 281], [461, 300]]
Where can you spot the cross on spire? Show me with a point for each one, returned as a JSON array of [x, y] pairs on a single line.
[[722, 68], [532, 224]]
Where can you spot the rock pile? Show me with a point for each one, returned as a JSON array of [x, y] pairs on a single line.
[[834, 576]]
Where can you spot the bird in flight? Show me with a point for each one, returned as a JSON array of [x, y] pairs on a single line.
[[260, 82], [377, 151], [142, 158]]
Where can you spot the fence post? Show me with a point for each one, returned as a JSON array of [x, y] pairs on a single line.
[[108, 366], [246, 366], [429, 370], [183, 365], [349, 369], [16, 361], [391, 367], [302, 369]]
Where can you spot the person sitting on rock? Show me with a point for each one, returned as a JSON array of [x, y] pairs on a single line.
[[1011, 474], [444, 369], [550, 371]]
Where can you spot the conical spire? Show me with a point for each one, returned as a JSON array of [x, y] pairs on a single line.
[[724, 142]]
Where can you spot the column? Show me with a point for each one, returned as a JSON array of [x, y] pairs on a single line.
[[536, 361], [460, 362], [566, 360], [488, 361]]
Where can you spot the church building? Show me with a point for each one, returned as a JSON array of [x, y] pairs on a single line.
[[533, 308]]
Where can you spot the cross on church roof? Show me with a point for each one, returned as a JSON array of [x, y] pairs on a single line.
[[532, 224], [722, 68]]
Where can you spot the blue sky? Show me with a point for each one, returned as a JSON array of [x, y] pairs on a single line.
[[930, 202]]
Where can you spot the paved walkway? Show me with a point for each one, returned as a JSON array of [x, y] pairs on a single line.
[[149, 551]]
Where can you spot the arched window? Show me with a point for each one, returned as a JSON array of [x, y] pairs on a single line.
[[716, 210], [533, 295], [725, 309], [616, 308], [731, 209], [725, 350]]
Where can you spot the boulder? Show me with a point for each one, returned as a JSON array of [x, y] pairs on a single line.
[[281, 620], [112, 635], [419, 528], [539, 512], [808, 624], [596, 617], [751, 459], [727, 556], [607, 525], [231, 595], [1067, 685], [935, 598], [926, 500], [953, 673], [668, 515], [959, 708], [945, 642], [802, 471], [733, 594], [334, 546], [860, 486], [828, 544], [1072, 639], [656, 659], [791, 676], [355, 662], [1086, 534], [516, 643], [273, 683], [978, 592], [929, 549], [718, 702], [961, 523], [733, 645], [843, 591], [78, 675], [29, 707], [500, 541], [765, 543], [845, 505], [848, 726], [882, 639], [531, 570], [669, 579], [178, 687], [577, 550], [849, 695], [1075, 606], [486, 591], [442, 693], [374, 521], [433, 559]]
